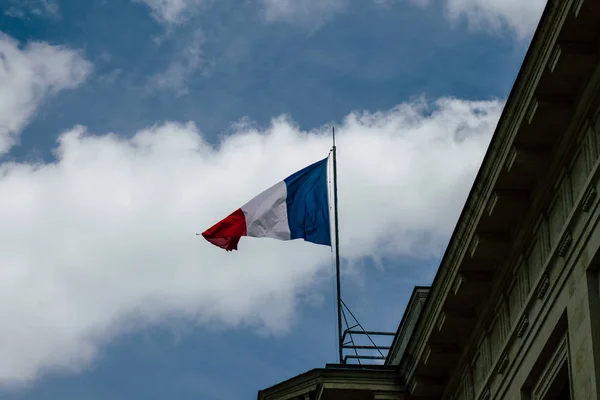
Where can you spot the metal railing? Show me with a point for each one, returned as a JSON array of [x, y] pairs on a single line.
[[349, 341]]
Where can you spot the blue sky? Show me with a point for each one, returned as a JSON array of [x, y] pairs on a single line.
[[127, 126]]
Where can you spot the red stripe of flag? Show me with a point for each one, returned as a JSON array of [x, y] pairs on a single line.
[[227, 233]]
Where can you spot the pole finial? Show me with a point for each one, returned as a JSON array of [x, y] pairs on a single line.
[[333, 135]]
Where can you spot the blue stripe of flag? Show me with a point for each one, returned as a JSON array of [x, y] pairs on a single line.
[[308, 204]]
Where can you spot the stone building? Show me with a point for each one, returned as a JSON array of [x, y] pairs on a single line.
[[514, 309]]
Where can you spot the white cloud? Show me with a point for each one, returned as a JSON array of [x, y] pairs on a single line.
[[520, 16], [102, 240], [28, 76], [187, 62], [40, 8], [310, 13], [173, 12], [492, 16]]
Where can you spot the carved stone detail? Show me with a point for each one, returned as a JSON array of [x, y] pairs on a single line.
[[473, 245], [502, 364], [553, 61], [458, 281], [486, 394], [577, 7], [588, 199], [533, 106], [522, 326], [565, 244], [441, 320], [426, 354], [543, 287], [491, 203]]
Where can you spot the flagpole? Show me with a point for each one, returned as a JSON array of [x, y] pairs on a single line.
[[337, 251]]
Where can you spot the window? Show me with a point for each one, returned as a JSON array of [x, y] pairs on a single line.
[[560, 388], [554, 381]]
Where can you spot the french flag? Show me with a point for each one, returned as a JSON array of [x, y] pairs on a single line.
[[295, 208]]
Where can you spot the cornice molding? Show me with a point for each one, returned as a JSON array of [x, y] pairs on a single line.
[[495, 159]]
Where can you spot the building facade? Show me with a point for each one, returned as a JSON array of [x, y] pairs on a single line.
[[514, 309]]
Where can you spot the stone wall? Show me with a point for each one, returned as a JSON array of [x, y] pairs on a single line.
[[537, 293]]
